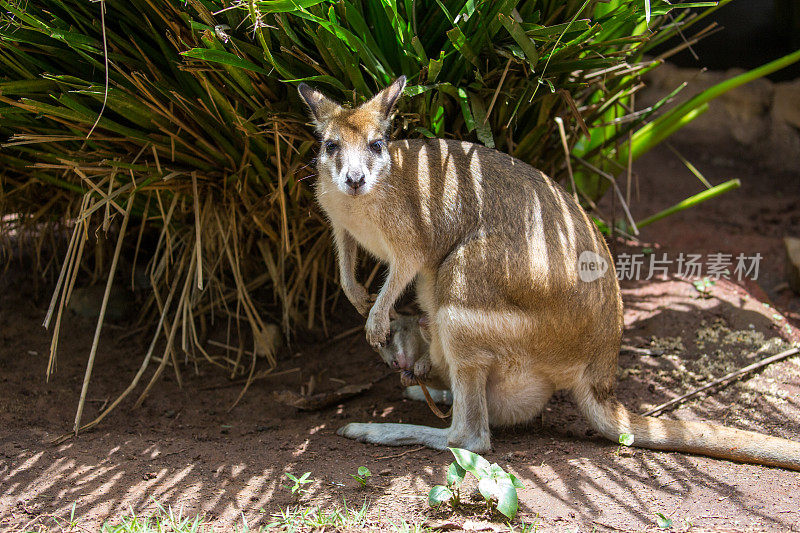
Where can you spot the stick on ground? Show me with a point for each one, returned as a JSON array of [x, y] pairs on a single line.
[[729, 378]]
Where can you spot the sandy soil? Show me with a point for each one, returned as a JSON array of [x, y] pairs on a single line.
[[184, 448]]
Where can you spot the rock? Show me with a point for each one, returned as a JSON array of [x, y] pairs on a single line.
[[86, 302], [268, 340], [781, 148], [760, 117], [786, 103], [747, 109], [741, 114], [792, 245]]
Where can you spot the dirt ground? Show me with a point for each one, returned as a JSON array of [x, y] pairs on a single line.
[[183, 448]]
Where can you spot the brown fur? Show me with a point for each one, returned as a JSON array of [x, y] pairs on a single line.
[[493, 245]]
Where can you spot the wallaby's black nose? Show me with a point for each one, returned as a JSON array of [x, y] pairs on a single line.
[[354, 179]]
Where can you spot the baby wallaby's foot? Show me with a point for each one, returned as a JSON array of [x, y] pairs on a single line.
[[415, 393], [396, 434]]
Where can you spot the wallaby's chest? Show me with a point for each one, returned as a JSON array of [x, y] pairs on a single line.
[[358, 222], [369, 236]]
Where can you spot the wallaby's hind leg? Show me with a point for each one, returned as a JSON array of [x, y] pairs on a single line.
[[470, 426], [415, 393], [469, 429]]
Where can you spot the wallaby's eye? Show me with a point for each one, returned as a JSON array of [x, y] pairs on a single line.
[[331, 147], [376, 146]]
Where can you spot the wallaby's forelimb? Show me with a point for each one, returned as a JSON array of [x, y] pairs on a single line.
[[400, 275], [347, 253]]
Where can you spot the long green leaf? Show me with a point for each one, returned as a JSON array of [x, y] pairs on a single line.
[[224, 58]]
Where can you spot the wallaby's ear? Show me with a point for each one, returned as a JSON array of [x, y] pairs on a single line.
[[383, 102], [322, 108]]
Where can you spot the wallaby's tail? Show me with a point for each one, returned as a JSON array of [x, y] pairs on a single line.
[[612, 419]]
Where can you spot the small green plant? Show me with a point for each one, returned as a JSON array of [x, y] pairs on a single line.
[[362, 475], [625, 440], [163, 519], [530, 527], [305, 518], [409, 527], [663, 521], [297, 489], [498, 487], [703, 286]]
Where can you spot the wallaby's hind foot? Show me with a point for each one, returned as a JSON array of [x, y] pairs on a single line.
[[396, 434], [415, 393]]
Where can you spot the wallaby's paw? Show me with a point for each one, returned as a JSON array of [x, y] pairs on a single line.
[[395, 434], [377, 329], [408, 379], [414, 393], [473, 443], [356, 431], [375, 434], [422, 368]]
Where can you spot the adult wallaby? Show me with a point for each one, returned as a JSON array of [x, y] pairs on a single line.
[[502, 257]]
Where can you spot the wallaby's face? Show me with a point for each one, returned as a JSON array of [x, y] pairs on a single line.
[[354, 155]]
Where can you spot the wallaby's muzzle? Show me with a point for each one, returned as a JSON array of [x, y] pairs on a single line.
[[354, 179]]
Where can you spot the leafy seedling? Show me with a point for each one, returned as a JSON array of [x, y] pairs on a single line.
[[362, 475], [450, 491], [663, 521], [498, 487], [297, 489], [703, 286], [625, 440]]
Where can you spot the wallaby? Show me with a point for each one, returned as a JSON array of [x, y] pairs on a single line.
[[499, 254], [408, 350]]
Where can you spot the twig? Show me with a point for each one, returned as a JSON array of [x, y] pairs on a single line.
[[560, 123], [101, 317], [640, 351], [343, 335], [197, 232], [260, 375], [136, 378], [728, 377], [431, 403], [396, 455], [497, 91]]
